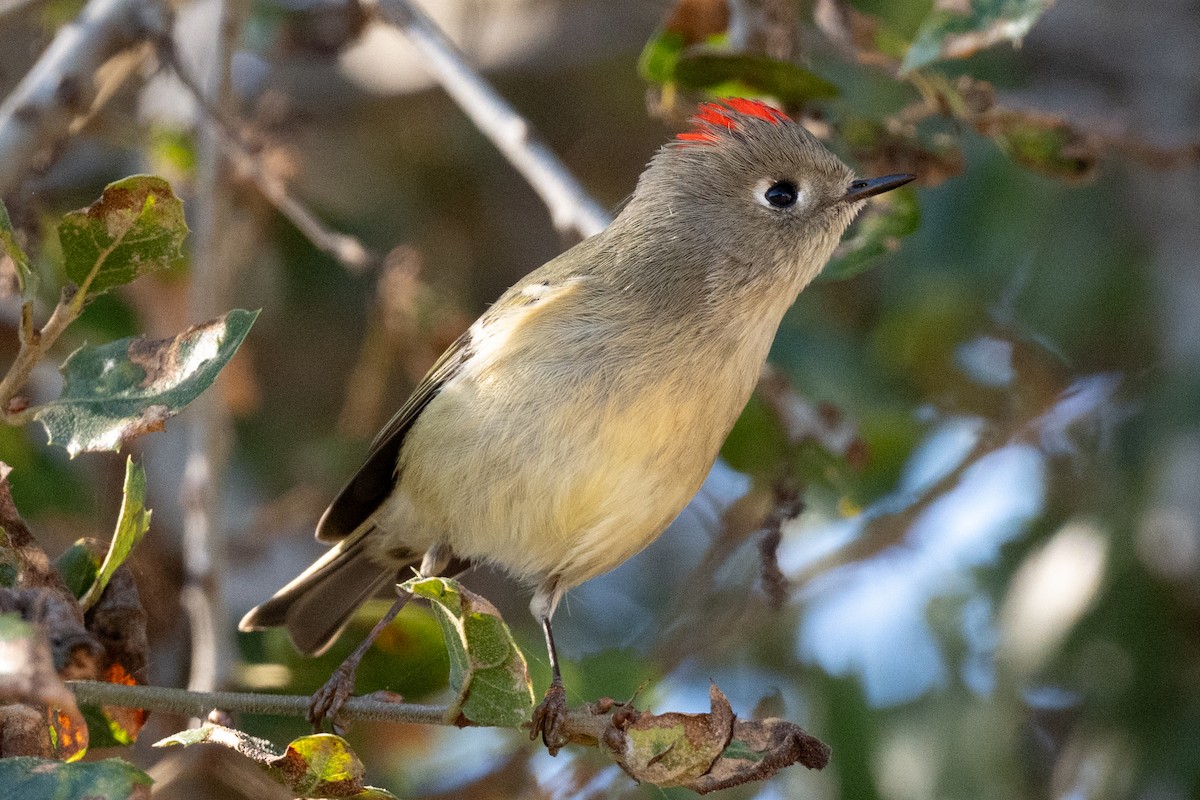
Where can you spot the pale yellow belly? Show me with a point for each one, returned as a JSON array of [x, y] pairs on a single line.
[[567, 492]]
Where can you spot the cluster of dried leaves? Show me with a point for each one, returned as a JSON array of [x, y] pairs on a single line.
[[79, 618]]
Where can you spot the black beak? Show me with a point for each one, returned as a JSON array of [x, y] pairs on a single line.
[[861, 190]]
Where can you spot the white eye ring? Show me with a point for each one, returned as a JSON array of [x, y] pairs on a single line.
[[778, 195]]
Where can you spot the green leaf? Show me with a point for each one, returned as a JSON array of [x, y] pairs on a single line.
[[111, 779], [1044, 144], [136, 227], [877, 233], [659, 57], [79, 565], [321, 765], [783, 80], [132, 523], [946, 34], [121, 390], [26, 277], [488, 672]]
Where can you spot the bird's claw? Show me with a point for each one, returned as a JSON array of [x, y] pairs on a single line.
[[549, 716], [327, 702]]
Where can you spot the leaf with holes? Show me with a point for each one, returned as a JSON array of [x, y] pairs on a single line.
[[121, 390], [136, 227], [488, 672]]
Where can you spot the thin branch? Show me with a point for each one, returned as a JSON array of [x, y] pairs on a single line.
[[61, 85], [34, 344], [347, 250], [198, 704], [584, 725], [571, 208]]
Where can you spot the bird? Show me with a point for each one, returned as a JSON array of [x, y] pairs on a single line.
[[575, 419]]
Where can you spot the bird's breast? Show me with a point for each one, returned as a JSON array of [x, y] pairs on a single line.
[[564, 461]]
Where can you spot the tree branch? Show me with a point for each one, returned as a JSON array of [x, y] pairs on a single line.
[[345, 249], [571, 208], [198, 704], [61, 85], [34, 344]]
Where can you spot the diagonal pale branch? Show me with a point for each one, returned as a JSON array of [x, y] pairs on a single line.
[[346, 249], [571, 207], [61, 85]]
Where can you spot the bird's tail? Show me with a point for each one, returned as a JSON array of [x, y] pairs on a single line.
[[318, 604]]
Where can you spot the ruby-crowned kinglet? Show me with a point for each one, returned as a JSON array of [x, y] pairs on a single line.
[[578, 416]]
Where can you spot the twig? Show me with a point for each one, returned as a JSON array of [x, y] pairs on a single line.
[[347, 250], [34, 343], [60, 86], [198, 704], [571, 208], [584, 725]]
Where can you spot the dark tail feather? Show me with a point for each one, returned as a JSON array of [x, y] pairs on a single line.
[[316, 606]]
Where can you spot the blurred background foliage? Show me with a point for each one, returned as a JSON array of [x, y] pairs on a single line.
[[990, 406]]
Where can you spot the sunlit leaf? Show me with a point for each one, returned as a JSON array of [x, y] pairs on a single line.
[[321, 765], [488, 672], [121, 390], [132, 523], [948, 33], [878, 232], [112, 779], [136, 227], [10, 247]]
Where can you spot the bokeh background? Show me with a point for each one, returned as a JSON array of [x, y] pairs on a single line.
[[992, 589]]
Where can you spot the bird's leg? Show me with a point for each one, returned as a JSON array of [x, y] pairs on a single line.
[[550, 714], [329, 699]]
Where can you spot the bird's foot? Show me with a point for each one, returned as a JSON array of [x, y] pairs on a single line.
[[549, 716], [328, 701]]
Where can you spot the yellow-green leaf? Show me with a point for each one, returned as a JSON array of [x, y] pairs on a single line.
[[132, 523]]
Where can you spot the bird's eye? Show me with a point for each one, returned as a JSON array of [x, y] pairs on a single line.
[[781, 194]]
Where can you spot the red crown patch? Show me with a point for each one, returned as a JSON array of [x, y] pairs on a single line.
[[712, 117]]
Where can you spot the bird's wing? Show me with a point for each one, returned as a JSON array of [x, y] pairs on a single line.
[[374, 480]]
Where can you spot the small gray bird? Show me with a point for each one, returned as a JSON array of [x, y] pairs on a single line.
[[578, 416]]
